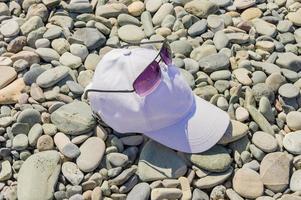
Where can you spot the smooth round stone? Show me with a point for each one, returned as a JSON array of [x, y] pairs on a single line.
[[60, 45], [20, 142], [42, 43], [191, 65], [38, 175], [213, 179], [140, 191], [158, 162], [262, 89], [247, 183], [215, 22], [201, 8], [45, 142], [292, 142], [31, 76], [289, 60], [92, 151], [52, 76], [275, 171], [243, 4], [91, 37], [82, 120], [131, 33], [153, 5], [214, 62], [243, 76], [258, 77], [181, 47], [295, 182], [75, 87], [238, 130], [32, 24], [241, 114], [91, 61], [202, 51], [6, 171], [29, 116], [265, 141], [136, 8], [264, 28], [10, 28], [48, 54], [289, 90], [197, 28], [216, 159], [20, 128], [220, 40], [79, 50], [34, 133], [251, 13], [163, 11], [8, 74], [295, 17], [49, 129], [293, 120], [274, 81], [70, 60], [117, 159], [220, 75], [72, 173]]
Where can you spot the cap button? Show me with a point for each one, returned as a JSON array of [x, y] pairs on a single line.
[[127, 52]]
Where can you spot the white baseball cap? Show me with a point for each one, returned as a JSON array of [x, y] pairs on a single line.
[[170, 113]]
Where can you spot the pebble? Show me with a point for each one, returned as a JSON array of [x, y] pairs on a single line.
[[171, 165], [10, 28], [288, 90], [72, 173], [165, 193], [7, 76], [198, 28], [251, 13], [66, 147], [292, 141], [289, 60], [39, 173], [141, 191], [92, 61], [264, 141], [79, 51], [247, 183], [92, 151], [295, 181], [275, 171], [80, 111], [238, 130], [131, 33], [199, 195], [45, 142], [201, 8], [6, 171], [293, 120], [70, 60], [91, 37], [52, 76]]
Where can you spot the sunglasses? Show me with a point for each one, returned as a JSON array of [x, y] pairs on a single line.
[[150, 77]]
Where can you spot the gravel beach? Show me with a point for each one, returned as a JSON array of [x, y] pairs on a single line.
[[244, 56]]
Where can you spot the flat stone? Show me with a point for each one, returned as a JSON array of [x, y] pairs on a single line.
[[29, 116], [292, 142], [260, 120], [198, 28], [52, 76], [247, 183], [111, 10], [265, 108], [153, 6], [166, 193], [295, 182], [201, 8], [202, 52], [82, 120], [31, 76], [92, 151], [237, 131], [6, 171], [29, 56], [295, 17], [72, 173], [91, 61], [62, 21], [264, 141], [243, 76], [79, 51], [10, 28], [34, 133], [220, 39], [158, 162], [275, 171], [131, 33], [141, 191], [31, 24], [216, 159], [65, 146], [38, 175], [289, 90], [243, 4], [251, 13], [293, 120], [261, 89], [162, 12], [214, 62], [60, 45], [289, 60], [274, 81], [181, 47], [70, 60], [91, 37], [8, 74], [264, 28], [48, 54], [213, 179]]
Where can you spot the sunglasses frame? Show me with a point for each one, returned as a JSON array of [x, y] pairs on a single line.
[[165, 44]]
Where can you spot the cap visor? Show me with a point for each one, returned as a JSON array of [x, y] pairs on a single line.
[[198, 131]]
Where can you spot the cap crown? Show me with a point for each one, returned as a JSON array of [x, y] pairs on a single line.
[[128, 112]]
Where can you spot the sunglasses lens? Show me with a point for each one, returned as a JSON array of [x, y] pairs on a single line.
[[148, 79], [165, 55]]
